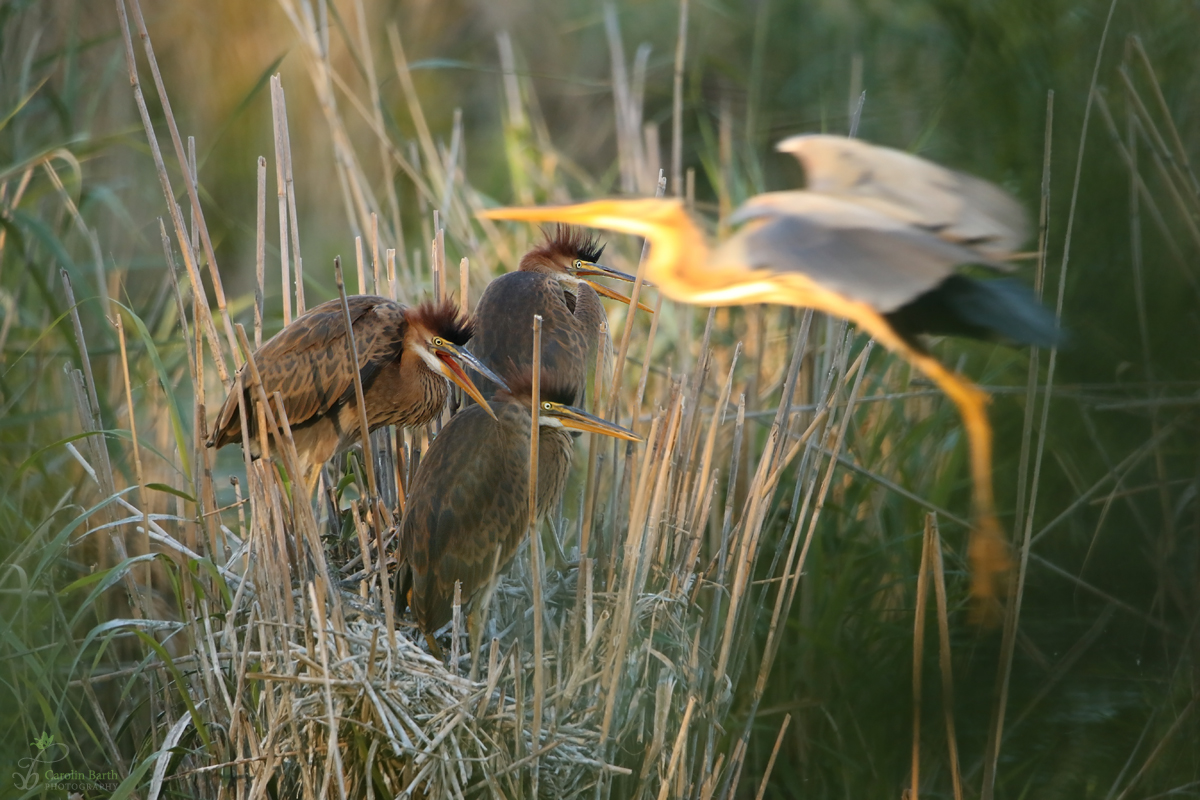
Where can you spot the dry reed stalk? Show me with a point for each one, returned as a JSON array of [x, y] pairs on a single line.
[[390, 257], [87, 406], [628, 118], [359, 266], [189, 259], [424, 137], [944, 661], [368, 61], [1017, 579], [641, 390], [376, 285], [814, 498], [588, 510], [919, 652], [189, 184], [766, 777], [464, 286], [677, 751], [759, 493], [364, 429], [85, 231], [1152, 208], [535, 545], [293, 227], [439, 271], [658, 499], [357, 194], [1180, 152], [279, 120], [260, 252], [137, 454], [710, 441], [180, 309]]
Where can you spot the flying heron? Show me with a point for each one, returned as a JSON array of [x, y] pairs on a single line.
[[467, 508], [875, 238], [553, 281], [405, 356]]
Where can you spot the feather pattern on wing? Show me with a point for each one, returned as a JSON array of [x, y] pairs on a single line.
[[957, 207], [308, 362]]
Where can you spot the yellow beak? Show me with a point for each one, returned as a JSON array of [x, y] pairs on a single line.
[[580, 420]]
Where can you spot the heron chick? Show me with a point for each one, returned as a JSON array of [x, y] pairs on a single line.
[[405, 356], [467, 509], [555, 280]]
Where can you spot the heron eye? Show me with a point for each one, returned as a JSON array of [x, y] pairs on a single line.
[[578, 264], [437, 341], [547, 406]]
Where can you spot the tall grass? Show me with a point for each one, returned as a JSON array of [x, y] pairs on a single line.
[[748, 612]]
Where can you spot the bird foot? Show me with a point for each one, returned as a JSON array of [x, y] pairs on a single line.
[[990, 561]]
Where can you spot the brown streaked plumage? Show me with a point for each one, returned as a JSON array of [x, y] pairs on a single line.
[[405, 356], [875, 238], [467, 506], [550, 281]]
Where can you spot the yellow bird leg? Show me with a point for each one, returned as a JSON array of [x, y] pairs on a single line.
[[475, 626], [435, 649], [987, 550]]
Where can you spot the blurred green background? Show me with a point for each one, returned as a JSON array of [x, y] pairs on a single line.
[[1106, 673]]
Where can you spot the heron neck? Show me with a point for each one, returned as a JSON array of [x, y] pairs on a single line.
[[589, 311]]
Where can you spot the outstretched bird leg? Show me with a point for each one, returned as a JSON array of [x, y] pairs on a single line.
[[435, 649], [988, 547], [476, 622]]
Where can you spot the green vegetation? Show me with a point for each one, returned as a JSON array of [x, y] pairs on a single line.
[[118, 646]]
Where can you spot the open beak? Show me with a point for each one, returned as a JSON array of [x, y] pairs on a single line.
[[604, 291], [579, 420], [592, 268], [450, 355]]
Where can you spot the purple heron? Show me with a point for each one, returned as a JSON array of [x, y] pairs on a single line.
[[405, 356], [554, 281], [874, 238], [467, 509]]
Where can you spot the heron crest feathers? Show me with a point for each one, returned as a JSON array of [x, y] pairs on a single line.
[[565, 244], [443, 319]]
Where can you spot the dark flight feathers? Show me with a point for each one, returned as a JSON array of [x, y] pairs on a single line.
[[994, 309]]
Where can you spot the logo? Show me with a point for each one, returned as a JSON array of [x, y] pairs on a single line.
[[43, 741], [40, 770]]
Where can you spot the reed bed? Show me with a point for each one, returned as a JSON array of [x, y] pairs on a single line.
[[255, 637], [609, 677]]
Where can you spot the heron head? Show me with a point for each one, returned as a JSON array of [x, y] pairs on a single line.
[[571, 256], [438, 334], [555, 409]]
